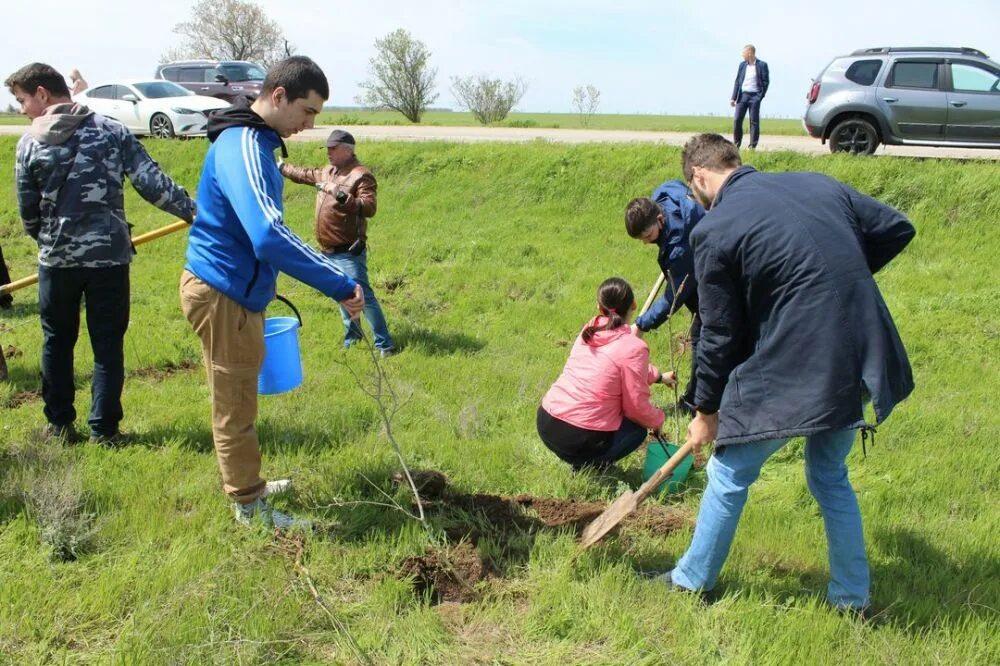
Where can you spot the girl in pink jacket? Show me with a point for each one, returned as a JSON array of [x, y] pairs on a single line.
[[598, 411]]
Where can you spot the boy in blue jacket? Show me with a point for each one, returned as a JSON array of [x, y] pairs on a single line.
[[237, 246], [666, 220]]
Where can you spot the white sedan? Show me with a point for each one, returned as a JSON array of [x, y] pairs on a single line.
[[159, 108]]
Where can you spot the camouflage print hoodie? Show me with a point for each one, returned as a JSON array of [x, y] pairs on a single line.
[[70, 172]]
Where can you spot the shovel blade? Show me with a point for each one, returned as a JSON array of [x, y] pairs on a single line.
[[629, 501], [607, 521]]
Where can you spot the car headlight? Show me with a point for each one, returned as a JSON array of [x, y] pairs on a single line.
[[182, 110]]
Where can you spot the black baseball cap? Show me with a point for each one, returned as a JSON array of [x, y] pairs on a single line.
[[337, 137]]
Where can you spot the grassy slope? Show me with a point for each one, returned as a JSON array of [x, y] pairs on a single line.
[[610, 121], [498, 250]]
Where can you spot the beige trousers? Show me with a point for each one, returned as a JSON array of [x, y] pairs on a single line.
[[232, 342]]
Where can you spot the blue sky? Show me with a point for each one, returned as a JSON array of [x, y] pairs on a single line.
[[645, 57]]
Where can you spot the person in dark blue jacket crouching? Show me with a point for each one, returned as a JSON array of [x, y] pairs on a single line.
[[666, 220], [795, 339]]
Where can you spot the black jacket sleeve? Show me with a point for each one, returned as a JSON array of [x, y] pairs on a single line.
[[723, 318], [884, 231]]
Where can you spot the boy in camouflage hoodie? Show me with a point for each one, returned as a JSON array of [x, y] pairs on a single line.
[[70, 171]]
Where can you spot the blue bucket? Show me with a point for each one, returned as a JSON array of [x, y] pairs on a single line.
[[282, 368]]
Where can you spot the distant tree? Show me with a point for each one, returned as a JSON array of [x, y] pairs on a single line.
[[489, 100], [400, 78], [230, 30], [586, 99]]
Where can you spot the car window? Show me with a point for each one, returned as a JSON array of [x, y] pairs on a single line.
[[102, 92], [170, 73], [122, 90], [192, 74], [161, 89], [914, 75], [970, 78], [863, 72], [242, 72]]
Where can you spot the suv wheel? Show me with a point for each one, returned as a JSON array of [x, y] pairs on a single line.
[[161, 127], [855, 136]]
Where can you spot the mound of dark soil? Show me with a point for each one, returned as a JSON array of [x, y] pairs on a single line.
[[529, 513], [20, 398], [508, 522], [448, 575], [159, 373]]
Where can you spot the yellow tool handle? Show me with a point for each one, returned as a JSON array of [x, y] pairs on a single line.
[[138, 240]]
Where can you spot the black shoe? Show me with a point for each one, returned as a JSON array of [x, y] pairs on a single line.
[[665, 579], [67, 434], [386, 353], [112, 441], [865, 614]]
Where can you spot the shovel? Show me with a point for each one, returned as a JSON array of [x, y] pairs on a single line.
[[629, 501], [138, 240], [652, 294]]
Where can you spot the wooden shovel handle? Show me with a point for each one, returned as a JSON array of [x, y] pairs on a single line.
[[662, 474], [653, 293]]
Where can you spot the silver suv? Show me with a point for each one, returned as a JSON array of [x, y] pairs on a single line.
[[918, 96]]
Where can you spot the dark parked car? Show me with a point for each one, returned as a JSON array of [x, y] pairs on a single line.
[[225, 79], [920, 96]]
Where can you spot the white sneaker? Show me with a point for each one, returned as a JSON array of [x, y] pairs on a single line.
[[277, 487], [245, 513]]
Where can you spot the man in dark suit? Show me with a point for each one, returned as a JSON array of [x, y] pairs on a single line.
[[752, 79]]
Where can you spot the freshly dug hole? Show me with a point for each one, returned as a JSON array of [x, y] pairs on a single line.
[[447, 575]]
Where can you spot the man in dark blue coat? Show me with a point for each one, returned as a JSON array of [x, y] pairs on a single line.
[[795, 339], [752, 81], [667, 219]]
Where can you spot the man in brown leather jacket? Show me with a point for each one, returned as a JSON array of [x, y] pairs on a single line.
[[344, 202]]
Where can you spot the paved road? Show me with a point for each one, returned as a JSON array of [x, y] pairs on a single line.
[[801, 144]]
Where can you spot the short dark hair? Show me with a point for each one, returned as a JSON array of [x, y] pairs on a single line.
[[38, 75], [709, 151], [640, 214], [298, 75]]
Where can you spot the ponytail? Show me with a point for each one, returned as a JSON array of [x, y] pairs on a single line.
[[614, 297]]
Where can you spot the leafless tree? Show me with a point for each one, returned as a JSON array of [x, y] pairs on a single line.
[[230, 30], [586, 99], [400, 78], [489, 100]]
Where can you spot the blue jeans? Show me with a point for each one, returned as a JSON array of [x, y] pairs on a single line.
[[747, 102], [356, 267], [106, 293], [731, 472]]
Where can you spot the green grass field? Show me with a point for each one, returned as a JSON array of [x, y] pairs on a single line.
[[486, 259], [722, 124], [654, 123]]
